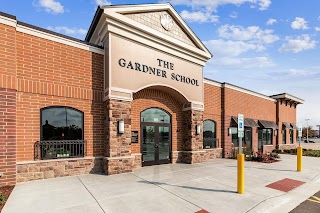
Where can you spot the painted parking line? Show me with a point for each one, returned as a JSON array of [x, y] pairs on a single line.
[[315, 199]]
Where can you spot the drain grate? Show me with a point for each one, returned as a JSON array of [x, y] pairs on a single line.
[[285, 185]]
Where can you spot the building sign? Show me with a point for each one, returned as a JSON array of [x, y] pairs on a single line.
[[165, 68]]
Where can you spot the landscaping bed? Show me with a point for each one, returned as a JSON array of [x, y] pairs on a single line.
[[258, 156], [305, 152], [5, 192]]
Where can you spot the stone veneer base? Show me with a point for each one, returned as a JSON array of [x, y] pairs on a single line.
[[287, 146], [44, 169], [118, 165], [190, 157]]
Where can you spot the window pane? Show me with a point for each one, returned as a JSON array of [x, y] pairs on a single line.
[[74, 127], [53, 123], [284, 136], [234, 132], [247, 138], [155, 115], [61, 123], [209, 134]]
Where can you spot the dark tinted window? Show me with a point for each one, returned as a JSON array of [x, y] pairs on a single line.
[[209, 134], [61, 123], [155, 115]]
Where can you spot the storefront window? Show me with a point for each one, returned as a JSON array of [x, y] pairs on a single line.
[[61, 123], [284, 136], [209, 134], [248, 138], [234, 133], [291, 136], [264, 137]]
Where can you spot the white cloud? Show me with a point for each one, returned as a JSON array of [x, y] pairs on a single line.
[[212, 5], [233, 15], [241, 63], [50, 6], [199, 16], [68, 31], [264, 4], [298, 44], [222, 48], [102, 2], [317, 29], [271, 21], [251, 33], [299, 24]]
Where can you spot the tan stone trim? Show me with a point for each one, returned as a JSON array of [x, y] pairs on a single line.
[[193, 108], [57, 160], [114, 97], [111, 10], [156, 43], [201, 151], [119, 158], [136, 154]]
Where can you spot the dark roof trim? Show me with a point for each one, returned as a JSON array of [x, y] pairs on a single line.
[[294, 126], [268, 124], [94, 23], [8, 15], [57, 34], [286, 125], [248, 122]]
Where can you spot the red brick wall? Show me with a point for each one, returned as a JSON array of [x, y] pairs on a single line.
[[7, 136], [286, 113], [212, 107], [148, 98], [7, 105], [54, 74]]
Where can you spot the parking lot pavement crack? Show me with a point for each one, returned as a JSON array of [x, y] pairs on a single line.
[[170, 192], [91, 194]]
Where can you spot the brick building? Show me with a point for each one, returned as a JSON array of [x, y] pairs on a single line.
[[131, 94]]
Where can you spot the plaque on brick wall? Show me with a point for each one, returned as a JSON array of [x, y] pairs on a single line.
[[134, 136]]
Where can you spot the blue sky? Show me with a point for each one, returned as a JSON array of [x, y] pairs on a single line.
[[267, 46]]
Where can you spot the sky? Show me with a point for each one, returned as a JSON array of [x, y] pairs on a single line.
[[269, 46]]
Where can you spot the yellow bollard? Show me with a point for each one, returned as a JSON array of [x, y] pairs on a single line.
[[240, 173], [299, 159]]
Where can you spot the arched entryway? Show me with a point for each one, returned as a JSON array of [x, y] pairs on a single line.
[[155, 136]]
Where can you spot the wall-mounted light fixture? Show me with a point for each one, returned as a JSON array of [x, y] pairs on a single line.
[[275, 132], [121, 127], [198, 129], [229, 131]]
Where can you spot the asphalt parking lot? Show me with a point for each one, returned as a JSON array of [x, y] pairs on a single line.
[[310, 205]]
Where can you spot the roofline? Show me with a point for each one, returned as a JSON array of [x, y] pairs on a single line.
[[288, 96], [94, 23], [57, 34], [8, 15], [240, 89], [99, 13]]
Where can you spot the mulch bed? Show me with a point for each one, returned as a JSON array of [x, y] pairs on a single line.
[[6, 190]]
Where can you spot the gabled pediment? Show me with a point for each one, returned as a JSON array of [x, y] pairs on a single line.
[[159, 21]]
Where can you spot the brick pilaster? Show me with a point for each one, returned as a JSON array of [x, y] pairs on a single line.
[[7, 136]]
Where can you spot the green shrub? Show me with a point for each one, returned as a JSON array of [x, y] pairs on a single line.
[[2, 198]]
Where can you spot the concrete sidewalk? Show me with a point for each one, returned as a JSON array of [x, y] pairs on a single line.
[[172, 188]]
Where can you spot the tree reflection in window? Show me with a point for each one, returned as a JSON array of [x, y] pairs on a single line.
[[61, 123], [209, 134]]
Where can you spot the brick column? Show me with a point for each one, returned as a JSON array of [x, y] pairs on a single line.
[[8, 137], [193, 143], [118, 146]]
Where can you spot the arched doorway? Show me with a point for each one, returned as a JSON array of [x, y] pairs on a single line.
[[155, 136]]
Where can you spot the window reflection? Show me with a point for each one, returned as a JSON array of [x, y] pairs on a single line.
[[209, 134], [155, 115], [61, 123]]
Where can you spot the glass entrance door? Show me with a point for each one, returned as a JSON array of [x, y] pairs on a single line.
[[155, 143]]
